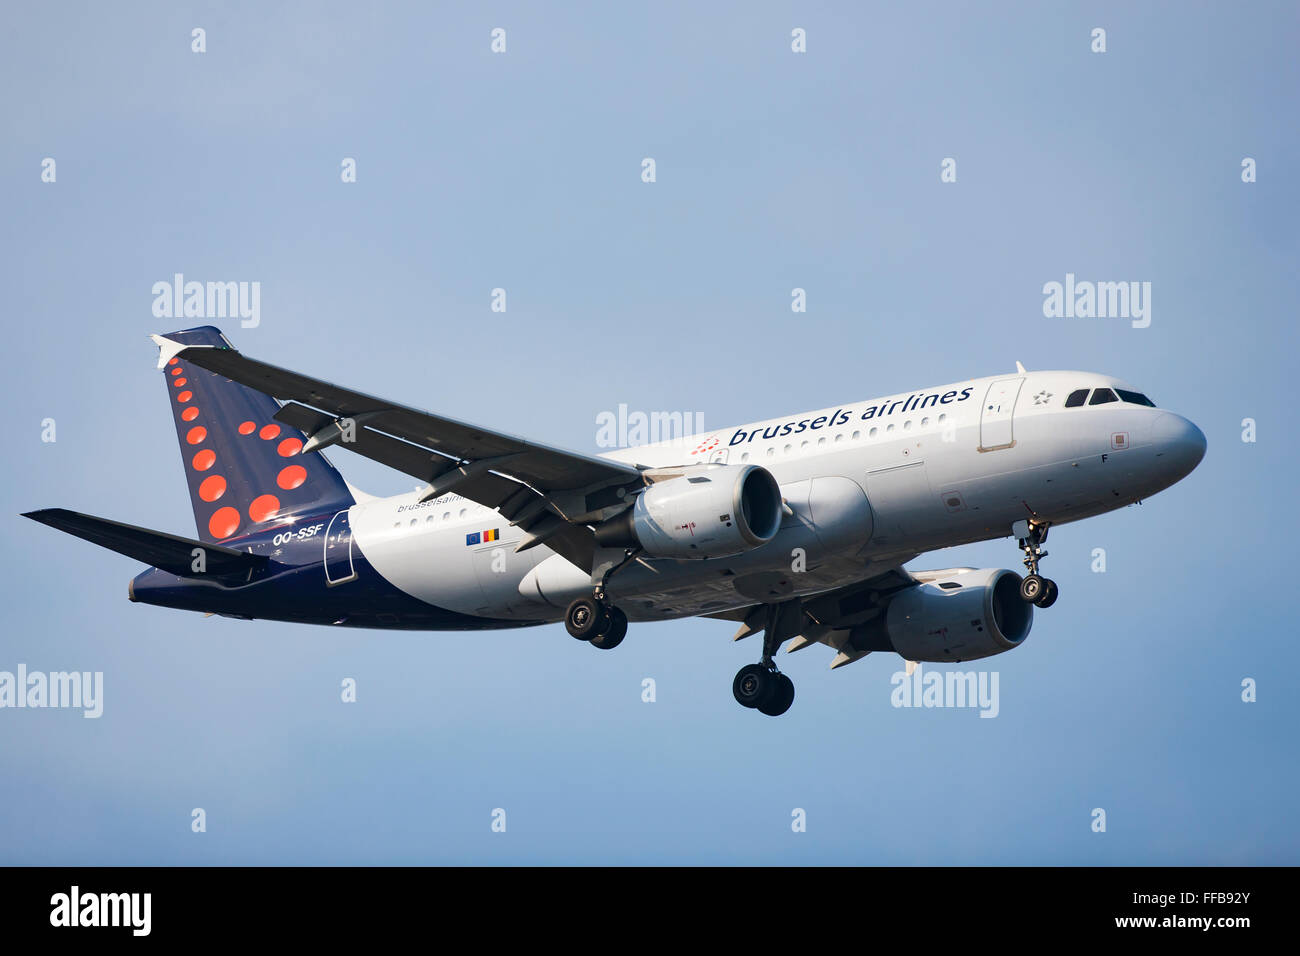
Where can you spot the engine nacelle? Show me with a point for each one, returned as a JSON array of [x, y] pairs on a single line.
[[710, 512], [961, 616]]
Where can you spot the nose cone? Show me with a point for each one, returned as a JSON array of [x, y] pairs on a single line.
[[1179, 444]]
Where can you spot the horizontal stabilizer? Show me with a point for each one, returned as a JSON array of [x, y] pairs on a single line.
[[166, 551]]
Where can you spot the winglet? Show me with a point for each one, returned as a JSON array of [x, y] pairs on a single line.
[[167, 349], [1020, 368]]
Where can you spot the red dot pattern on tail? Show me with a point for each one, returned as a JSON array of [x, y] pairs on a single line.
[[234, 499], [213, 487], [224, 522], [263, 507], [291, 477]]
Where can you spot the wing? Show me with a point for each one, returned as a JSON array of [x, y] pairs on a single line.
[[550, 493], [845, 619]]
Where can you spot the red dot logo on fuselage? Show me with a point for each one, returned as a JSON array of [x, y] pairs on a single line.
[[707, 445]]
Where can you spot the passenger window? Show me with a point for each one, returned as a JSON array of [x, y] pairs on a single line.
[[1102, 396], [1135, 398], [1076, 398]]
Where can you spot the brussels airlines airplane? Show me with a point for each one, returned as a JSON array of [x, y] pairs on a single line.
[[796, 527]]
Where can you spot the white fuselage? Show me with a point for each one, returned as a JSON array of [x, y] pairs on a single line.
[[869, 486]]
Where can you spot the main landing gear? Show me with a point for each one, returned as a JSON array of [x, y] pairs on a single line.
[[601, 623], [761, 686], [1034, 588], [594, 618]]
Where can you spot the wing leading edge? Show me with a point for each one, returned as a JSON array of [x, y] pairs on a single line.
[[550, 493]]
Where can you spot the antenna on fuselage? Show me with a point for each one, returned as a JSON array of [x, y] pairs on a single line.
[[1020, 368]]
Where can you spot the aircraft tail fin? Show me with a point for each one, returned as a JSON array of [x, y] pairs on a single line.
[[244, 468]]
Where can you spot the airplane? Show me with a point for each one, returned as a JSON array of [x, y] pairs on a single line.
[[796, 528]]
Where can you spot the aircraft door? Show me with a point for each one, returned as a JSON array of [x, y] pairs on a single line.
[[996, 414], [338, 551]]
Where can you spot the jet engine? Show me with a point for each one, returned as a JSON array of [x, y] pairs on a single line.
[[961, 615], [710, 512]]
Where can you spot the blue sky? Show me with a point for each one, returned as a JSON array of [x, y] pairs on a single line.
[[774, 171]]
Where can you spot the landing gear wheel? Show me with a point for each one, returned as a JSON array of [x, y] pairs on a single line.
[[1032, 588], [755, 685], [1049, 595], [782, 698], [585, 619], [614, 632]]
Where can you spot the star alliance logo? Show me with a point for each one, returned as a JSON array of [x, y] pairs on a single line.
[[1042, 397]]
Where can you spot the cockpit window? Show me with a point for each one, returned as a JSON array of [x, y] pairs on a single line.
[[1076, 398], [1101, 396], [1135, 398]]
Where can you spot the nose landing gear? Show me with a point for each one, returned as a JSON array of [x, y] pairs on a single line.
[[1034, 588]]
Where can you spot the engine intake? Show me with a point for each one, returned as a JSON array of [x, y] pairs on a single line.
[[711, 512]]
